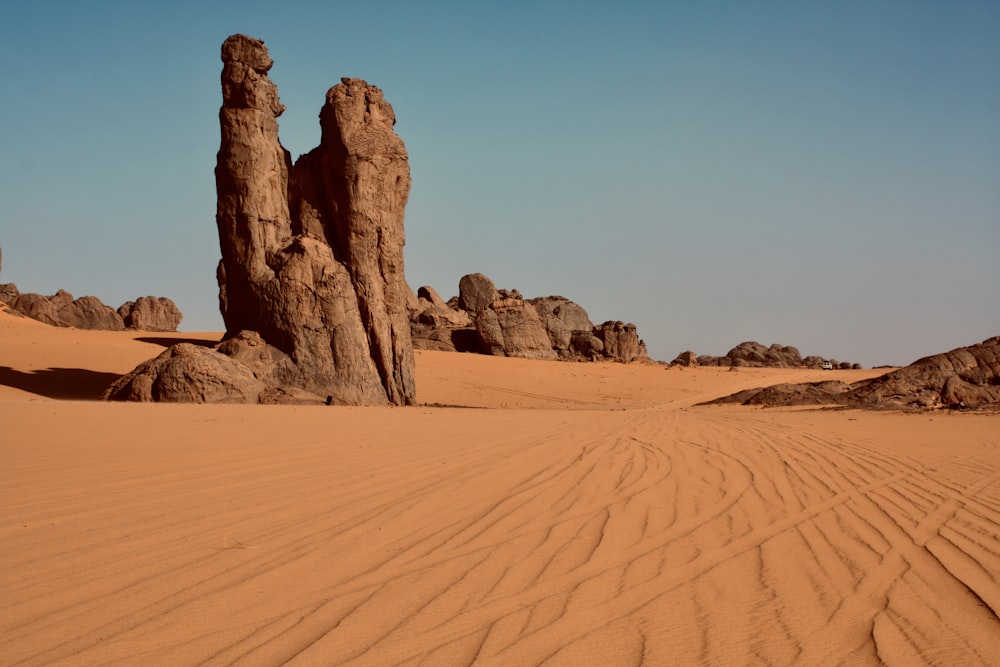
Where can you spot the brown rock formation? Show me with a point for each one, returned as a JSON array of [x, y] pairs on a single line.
[[88, 312], [186, 373], [562, 318], [686, 358], [37, 307], [621, 341], [9, 293], [510, 327], [966, 377], [150, 313], [501, 322], [753, 354], [62, 310], [476, 292], [312, 255]]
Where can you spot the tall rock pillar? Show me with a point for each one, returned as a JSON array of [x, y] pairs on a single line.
[[352, 190], [326, 288]]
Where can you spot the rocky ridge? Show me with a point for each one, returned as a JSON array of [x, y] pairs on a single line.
[[486, 320], [965, 378], [754, 354], [311, 284]]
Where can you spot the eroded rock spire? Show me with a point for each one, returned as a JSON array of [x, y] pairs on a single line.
[[315, 268]]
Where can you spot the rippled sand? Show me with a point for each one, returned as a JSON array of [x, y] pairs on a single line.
[[575, 514]]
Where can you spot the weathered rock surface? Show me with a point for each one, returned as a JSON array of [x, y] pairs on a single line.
[[476, 292], [9, 293], [621, 341], [88, 312], [186, 373], [150, 313], [967, 377], [562, 318], [37, 307], [510, 327], [753, 354], [487, 320], [686, 358], [241, 369], [312, 254]]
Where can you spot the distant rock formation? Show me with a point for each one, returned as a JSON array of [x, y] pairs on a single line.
[[88, 312], [487, 320], [150, 313], [753, 354], [967, 377], [311, 277]]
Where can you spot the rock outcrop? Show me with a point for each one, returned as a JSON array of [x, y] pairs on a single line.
[[9, 293], [510, 327], [311, 284], [487, 320], [186, 373], [753, 354], [967, 377], [150, 313], [88, 312], [621, 341], [561, 318], [241, 369]]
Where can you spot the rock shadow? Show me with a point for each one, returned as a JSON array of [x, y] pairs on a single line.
[[60, 383], [166, 341]]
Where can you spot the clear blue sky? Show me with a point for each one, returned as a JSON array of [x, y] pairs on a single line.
[[819, 174]]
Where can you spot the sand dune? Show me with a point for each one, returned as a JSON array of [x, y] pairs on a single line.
[[569, 514]]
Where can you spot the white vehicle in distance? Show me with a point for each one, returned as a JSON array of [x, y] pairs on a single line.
[[827, 366]]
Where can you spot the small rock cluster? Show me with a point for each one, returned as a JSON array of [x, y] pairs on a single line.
[[486, 320], [754, 354]]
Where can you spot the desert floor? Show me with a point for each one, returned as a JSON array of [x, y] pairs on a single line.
[[538, 513]]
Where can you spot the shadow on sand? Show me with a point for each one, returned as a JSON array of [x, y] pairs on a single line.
[[166, 341], [61, 383]]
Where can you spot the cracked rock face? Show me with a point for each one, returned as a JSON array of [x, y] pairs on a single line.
[[312, 254]]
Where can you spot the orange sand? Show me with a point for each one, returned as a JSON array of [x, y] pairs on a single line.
[[578, 514]]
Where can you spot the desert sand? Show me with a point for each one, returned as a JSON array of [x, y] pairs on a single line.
[[528, 512]]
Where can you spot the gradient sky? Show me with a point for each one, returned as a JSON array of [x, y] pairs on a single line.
[[819, 174]]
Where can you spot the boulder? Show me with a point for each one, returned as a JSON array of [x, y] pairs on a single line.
[[150, 313], [88, 312], [38, 307], [186, 373], [687, 359], [476, 292], [312, 254]]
